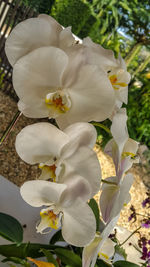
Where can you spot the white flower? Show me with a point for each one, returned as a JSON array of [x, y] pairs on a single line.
[[101, 246], [48, 86], [63, 156], [51, 76], [121, 148], [64, 207], [115, 196], [114, 68]]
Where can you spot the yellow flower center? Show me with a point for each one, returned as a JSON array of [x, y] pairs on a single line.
[[103, 255], [49, 219], [49, 169], [114, 81], [127, 154], [59, 102]]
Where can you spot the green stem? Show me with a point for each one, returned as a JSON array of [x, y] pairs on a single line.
[[133, 52], [130, 236], [10, 127], [108, 182], [142, 66], [102, 126], [142, 215]]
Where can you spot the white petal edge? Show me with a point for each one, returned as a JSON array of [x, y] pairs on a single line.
[[78, 224], [37, 193], [40, 142]]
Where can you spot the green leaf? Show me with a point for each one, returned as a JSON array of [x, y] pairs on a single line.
[[68, 257], [93, 205], [125, 6], [24, 250], [10, 228], [124, 264], [56, 237], [121, 251], [115, 15], [101, 263], [50, 257]]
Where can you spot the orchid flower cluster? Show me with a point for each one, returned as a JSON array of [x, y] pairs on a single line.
[[74, 82]]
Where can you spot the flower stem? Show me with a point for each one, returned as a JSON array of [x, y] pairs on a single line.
[[142, 215], [130, 236], [108, 182], [10, 127], [102, 126]]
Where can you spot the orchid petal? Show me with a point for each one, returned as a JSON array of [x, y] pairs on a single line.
[[119, 129], [107, 249], [66, 38], [84, 132], [39, 73], [38, 112], [77, 186], [76, 60], [123, 196], [125, 165], [92, 97], [84, 162], [90, 251], [131, 146], [99, 56], [107, 200], [111, 149], [29, 35], [81, 221], [40, 142], [37, 193]]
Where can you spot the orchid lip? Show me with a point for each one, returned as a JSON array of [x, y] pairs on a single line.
[[50, 218], [114, 81], [58, 102]]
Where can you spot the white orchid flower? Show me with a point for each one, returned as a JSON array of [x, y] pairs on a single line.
[[64, 208], [115, 196], [62, 156], [48, 84], [121, 148], [50, 75], [115, 190], [115, 69], [101, 246]]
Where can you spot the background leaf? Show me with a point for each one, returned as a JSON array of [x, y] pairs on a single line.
[[93, 205], [10, 228], [50, 257], [124, 264], [68, 257], [56, 237]]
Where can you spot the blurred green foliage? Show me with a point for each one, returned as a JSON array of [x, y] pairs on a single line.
[[139, 109], [124, 27]]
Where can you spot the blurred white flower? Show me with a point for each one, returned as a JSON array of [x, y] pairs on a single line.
[[63, 156], [115, 69], [115, 195], [101, 246], [64, 207], [121, 148]]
